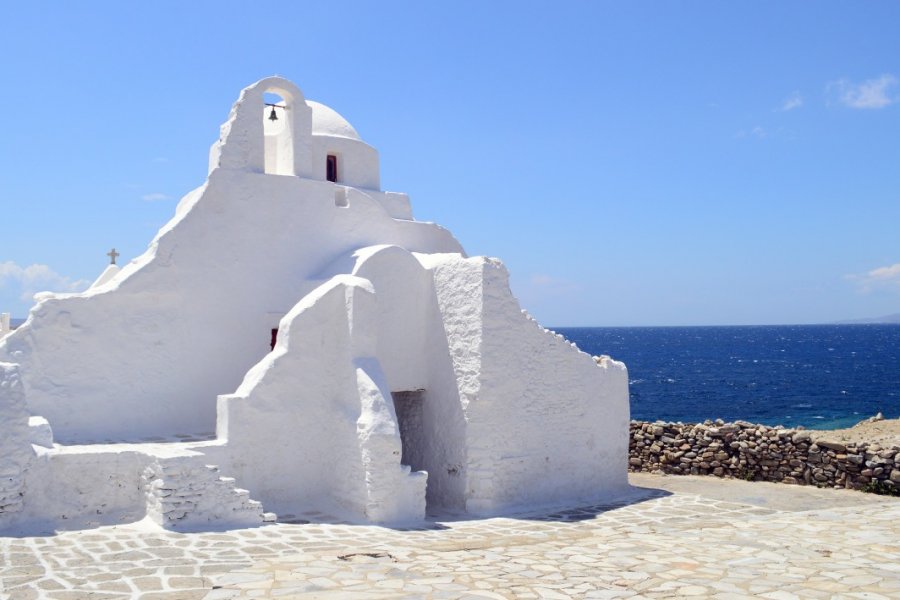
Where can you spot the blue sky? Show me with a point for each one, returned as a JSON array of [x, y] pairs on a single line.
[[632, 163]]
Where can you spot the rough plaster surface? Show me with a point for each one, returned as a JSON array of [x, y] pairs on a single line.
[[102, 385], [16, 453], [5, 325]]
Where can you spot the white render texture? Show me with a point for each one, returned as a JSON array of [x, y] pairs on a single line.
[[106, 276], [5, 327], [405, 376]]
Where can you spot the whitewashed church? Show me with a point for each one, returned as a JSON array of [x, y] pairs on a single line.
[[294, 341]]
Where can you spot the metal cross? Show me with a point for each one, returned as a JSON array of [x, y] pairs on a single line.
[[112, 254]]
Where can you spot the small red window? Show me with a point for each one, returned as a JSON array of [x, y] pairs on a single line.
[[331, 168]]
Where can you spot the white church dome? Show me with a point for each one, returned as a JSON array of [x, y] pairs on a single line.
[[327, 121]]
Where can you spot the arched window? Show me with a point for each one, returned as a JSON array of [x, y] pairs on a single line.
[[278, 131]]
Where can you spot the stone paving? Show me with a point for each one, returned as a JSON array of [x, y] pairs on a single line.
[[664, 545]]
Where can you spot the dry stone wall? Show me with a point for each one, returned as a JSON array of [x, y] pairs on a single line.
[[758, 452]]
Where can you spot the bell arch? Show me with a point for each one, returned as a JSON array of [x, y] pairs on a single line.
[[278, 135], [249, 141]]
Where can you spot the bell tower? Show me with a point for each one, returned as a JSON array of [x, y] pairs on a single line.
[[252, 141]]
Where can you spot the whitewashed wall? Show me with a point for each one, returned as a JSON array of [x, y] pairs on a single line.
[[16, 454], [544, 423], [323, 401], [5, 326], [148, 354]]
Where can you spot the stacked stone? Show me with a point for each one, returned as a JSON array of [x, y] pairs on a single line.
[[182, 494], [758, 452]]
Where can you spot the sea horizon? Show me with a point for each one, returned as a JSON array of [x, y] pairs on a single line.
[[822, 376]]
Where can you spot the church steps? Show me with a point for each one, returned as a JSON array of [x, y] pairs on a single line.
[[184, 494]]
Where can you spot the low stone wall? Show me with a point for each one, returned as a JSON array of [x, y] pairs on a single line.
[[758, 452]]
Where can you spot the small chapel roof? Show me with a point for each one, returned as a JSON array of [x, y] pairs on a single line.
[[327, 121]]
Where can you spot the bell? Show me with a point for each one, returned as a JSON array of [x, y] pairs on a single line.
[[272, 115]]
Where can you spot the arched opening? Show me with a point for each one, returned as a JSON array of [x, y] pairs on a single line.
[[331, 168], [278, 131]]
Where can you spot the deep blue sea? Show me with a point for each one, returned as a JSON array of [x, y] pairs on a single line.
[[819, 376]]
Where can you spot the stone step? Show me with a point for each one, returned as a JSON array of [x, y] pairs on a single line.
[[183, 494]]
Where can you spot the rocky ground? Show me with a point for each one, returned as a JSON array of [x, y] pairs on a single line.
[[885, 432]]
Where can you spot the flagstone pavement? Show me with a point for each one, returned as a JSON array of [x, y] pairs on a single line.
[[678, 537]]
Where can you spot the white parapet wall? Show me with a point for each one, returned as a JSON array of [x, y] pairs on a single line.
[[5, 327], [330, 352], [16, 454], [545, 424]]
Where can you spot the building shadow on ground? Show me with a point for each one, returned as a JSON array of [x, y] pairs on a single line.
[[435, 521]]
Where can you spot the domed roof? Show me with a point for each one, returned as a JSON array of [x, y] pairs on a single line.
[[327, 121]]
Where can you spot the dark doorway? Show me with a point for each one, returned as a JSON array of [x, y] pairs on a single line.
[[410, 418], [331, 168], [274, 338]]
